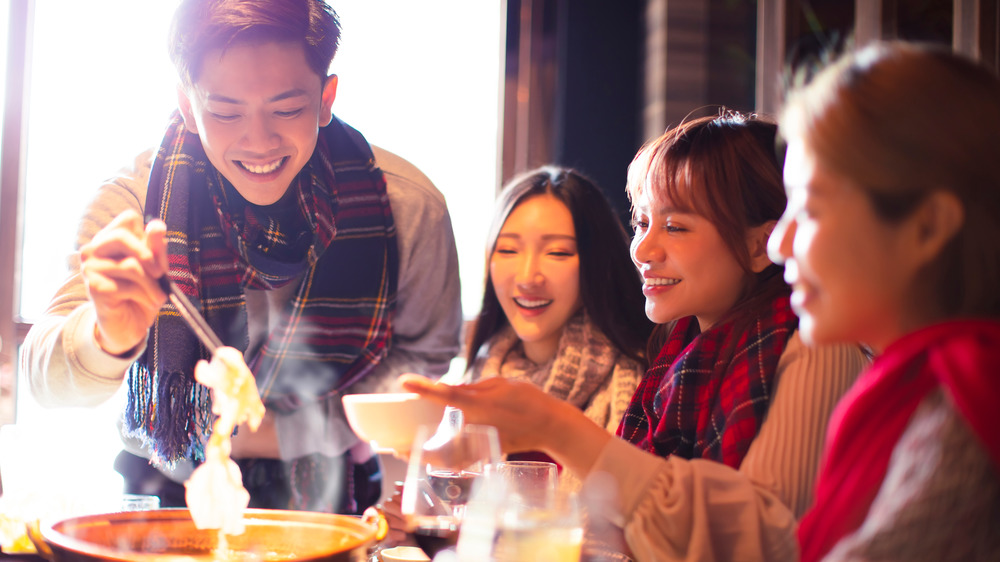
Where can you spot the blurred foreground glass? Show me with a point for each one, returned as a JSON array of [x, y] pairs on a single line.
[[552, 531], [139, 502], [444, 466], [527, 482], [519, 513]]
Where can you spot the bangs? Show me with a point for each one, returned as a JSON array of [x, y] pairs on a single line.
[[657, 172]]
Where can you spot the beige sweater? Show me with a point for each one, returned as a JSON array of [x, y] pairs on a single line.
[[678, 509]]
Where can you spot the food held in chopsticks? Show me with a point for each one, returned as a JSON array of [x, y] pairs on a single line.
[[215, 494]]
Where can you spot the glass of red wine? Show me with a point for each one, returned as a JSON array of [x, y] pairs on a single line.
[[445, 463]]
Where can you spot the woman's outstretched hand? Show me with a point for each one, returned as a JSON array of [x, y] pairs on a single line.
[[526, 418]]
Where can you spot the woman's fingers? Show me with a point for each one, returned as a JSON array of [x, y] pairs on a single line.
[[423, 386], [526, 418], [515, 408]]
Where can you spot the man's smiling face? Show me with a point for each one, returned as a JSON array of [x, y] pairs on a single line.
[[258, 109]]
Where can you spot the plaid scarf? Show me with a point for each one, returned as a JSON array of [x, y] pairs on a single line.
[[332, 234], [587, 370], [706, 395], [958, 356]]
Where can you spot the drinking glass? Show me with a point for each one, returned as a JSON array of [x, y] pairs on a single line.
[[521, 513], [443, 467], [139, 502], [528, 482], [548, 527]]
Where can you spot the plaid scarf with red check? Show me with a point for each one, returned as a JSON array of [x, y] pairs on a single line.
[[332, 234], [706, 395]]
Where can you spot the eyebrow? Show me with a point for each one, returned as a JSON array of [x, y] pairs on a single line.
[[667, 210], [544, 237], [293, 93]]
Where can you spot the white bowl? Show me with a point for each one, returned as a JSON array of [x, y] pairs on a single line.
[[390, 420], [403, 554]]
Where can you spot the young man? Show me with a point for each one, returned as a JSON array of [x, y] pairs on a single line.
[[331, 264]]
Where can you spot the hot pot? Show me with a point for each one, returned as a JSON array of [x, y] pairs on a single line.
[[170, 535]]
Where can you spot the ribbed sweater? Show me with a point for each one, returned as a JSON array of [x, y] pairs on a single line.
[[679, 509]]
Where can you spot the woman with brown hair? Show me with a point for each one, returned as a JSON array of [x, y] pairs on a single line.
[[892, 238]]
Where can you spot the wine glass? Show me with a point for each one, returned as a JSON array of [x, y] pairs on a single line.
[[443, 467]]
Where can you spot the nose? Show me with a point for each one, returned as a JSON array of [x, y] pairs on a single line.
[[647, 249], [779, 244], [530, 272], [259, 135]]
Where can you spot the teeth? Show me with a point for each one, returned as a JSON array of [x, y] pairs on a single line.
[[532, 303], [656, 281], [262, 168]]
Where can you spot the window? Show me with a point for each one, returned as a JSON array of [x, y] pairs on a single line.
[[10, 71], [429, 94]]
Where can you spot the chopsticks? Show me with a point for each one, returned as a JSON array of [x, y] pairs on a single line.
[[190, 314]]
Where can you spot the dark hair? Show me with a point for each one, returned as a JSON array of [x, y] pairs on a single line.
[[200, 26], [610, 287], [726, 169], [902, 120]]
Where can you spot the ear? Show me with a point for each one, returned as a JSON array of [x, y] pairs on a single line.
[[935, 222], [184, 104], [326, 103], [757, 246]]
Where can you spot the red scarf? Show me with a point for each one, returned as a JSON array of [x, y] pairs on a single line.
[[706, 395], [960, 356]]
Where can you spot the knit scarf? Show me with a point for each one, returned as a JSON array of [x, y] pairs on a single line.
[[587, 370], [705, 398], [332, 234], [959, 356]]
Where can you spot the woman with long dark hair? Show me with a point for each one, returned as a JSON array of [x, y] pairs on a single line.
[[562, 306]]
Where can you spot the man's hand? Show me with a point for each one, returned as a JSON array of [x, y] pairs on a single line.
[[120, 267]]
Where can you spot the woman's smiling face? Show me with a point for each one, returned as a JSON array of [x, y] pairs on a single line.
[[535, 272], [849, 270], [686, 266]]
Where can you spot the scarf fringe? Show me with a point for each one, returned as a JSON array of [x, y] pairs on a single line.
[[179, 403]]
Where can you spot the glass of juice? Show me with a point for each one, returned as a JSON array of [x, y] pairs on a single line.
[[539, 529]]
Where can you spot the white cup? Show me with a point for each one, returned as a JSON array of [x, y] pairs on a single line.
[[403, 554]]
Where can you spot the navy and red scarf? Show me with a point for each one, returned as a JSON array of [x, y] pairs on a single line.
[[706, 395], [333, 234]]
